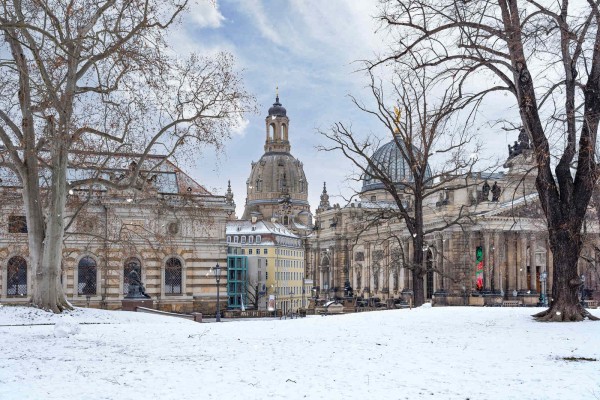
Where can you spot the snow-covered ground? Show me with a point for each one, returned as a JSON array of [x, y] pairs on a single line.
[[430, 353]]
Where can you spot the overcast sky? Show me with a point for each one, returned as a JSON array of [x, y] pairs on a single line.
[[309, 49]]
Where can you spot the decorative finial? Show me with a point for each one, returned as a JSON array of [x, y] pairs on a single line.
[[324, 205], [397, 114], [229, 194], [277, 94]]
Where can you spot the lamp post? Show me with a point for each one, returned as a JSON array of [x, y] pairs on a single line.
[[544, 279], [217, 272]]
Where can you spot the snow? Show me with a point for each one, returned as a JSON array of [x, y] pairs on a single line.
[[66, 326], [424, 353]]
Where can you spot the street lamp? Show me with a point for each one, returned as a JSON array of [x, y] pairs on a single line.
[[544, 279], [217, 272]]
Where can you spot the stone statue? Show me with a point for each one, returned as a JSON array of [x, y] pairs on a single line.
[[496, 190], [485, 191], [524, 140], [136, 288]]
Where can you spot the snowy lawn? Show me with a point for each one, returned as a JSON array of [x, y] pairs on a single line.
[[430, 353]]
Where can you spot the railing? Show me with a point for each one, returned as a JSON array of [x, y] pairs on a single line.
[[194, 317], [590, 303], [252, 314]]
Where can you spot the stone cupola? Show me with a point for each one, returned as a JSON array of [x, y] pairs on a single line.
[[277, 125], [277, 188]]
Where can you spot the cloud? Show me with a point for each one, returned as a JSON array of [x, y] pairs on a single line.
[[206, 14], [240, 126], [255, 9]]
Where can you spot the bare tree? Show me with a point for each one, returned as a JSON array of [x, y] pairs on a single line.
[[254, 294], [548, 56], [420, 125], [89, 75]]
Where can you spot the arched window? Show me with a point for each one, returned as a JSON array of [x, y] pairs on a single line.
[[86, 276], [284, 132], [173, 272], [272, 132], [17, 277], [131, 264]]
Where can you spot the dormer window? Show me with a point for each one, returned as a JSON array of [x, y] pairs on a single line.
[[258, 239]]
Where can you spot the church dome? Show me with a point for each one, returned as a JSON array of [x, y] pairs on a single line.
[[277, 109], [275, 173], [389, 157]]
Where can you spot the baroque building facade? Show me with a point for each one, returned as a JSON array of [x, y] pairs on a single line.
[[500, 253], [277, 210], [172, 232]]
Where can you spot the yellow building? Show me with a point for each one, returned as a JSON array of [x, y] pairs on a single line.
[[274, 265]]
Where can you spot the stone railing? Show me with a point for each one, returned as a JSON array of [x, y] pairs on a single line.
[[251, 314]]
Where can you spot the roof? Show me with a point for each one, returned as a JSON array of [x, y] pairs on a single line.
[[244, 227], [158, 171], [391, 159]]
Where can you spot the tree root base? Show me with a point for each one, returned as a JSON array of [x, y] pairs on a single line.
[[565, 314], [58, 307]]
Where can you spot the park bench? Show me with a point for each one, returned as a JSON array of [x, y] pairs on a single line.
[[590, 303], [511, 303]]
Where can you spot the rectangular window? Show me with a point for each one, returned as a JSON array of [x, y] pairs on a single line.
[[265, 251], [258, 239], [235, 239], [266, 275], [17, 224], [243, 239], [243, 251], [249, 251], [250, 239], [257, 251]]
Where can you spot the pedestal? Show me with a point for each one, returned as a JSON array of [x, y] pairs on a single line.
[[132, 304]]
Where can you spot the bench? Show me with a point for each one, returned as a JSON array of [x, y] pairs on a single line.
[[511, 303], [590, 303]]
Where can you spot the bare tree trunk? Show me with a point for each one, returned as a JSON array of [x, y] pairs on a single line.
[[565, 305], [48, 254], [418, 242], [417, 272]]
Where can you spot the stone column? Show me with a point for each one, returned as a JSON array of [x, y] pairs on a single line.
[[511, 270], [333, 259], [532, 263], [496, 262], [405, 263], [523, 263], [439, 263]]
